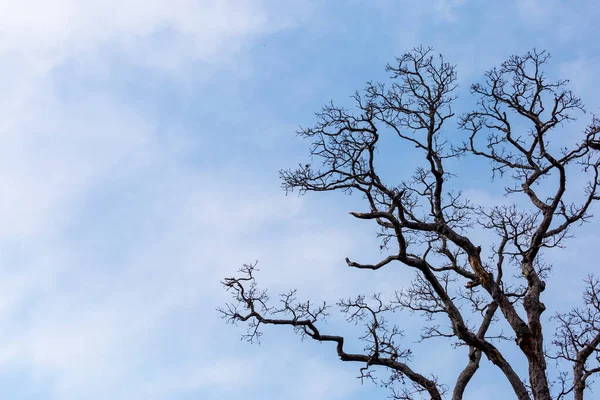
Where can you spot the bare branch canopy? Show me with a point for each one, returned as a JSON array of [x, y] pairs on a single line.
[[430, 229]]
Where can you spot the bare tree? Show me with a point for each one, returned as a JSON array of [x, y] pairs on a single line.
[[429, 228]]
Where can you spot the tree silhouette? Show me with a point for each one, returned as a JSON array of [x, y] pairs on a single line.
[[429, 228]]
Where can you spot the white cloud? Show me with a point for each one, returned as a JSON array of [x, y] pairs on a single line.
[[36, 37], [125, 236], [51, 149], [105, 233], [53, 31]]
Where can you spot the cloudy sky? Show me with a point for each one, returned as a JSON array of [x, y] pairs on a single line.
[[140, 143]]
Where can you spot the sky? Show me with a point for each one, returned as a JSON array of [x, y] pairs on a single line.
[[140, 144]]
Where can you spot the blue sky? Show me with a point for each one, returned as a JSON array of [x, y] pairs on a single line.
[[140, 144]]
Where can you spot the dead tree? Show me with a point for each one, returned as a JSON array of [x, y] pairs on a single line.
[[429, 228]]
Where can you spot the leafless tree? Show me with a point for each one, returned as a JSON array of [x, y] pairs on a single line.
[[429, 228]]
